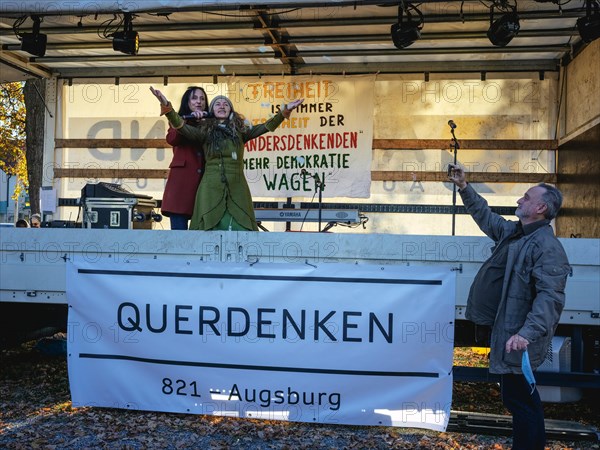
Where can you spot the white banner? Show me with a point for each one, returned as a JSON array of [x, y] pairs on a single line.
[[334, 343], [329, 137]]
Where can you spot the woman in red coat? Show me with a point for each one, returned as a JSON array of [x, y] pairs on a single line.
[[187, 166]]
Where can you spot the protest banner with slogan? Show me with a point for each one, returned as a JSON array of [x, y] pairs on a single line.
[[333, 343], [327, 139]]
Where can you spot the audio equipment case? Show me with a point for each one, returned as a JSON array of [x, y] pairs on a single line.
[[119, 213]]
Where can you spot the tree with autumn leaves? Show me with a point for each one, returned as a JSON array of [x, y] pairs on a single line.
[[12, 134], [21, 136]]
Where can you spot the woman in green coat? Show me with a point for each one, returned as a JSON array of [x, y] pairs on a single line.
[[223, 199]]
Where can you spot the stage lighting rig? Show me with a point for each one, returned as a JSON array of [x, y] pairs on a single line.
[[127, 41], [408, 28], [34, 43], [504, 29], [589, 25]]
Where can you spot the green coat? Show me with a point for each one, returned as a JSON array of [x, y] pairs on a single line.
[[223, 187]]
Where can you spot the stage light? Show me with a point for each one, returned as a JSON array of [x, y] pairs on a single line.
[[408, 28], [127, 41], [34, 43], [589, 26], [504, 29]]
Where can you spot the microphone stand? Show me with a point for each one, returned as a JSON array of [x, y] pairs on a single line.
[[456, 146], [319, 185]]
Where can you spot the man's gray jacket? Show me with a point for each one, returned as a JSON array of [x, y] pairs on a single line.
[[533, 291]]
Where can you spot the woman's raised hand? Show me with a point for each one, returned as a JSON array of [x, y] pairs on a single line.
[[160, 96], [287, 111]]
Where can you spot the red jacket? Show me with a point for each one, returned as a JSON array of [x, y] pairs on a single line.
[[186, 170]]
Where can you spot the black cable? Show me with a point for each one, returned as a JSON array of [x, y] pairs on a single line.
[[251, 15], [17, 24], [107, 27]]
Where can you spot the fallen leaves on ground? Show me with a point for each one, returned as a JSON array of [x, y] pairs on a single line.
[[36, 413]]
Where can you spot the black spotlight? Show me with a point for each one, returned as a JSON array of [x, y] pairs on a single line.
[[408, 28], [127, 41], [504, 29], [34, 43], [589, 26]]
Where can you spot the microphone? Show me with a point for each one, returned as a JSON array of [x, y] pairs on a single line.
[[205, 115], [304, 172], [452, 124]]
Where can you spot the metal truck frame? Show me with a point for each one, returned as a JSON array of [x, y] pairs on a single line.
[[33, 275]]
